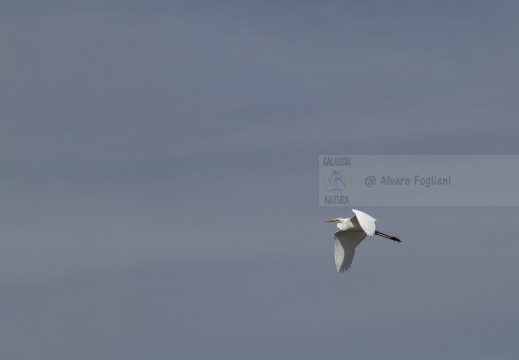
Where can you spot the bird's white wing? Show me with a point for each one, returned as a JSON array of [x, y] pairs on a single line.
[[367, 223], [344, 250]]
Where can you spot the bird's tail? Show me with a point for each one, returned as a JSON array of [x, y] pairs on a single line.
[[387, 236]]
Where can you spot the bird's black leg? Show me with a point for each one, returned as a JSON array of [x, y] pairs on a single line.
[[387, 236]]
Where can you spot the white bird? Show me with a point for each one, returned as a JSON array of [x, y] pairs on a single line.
[[351, 232]]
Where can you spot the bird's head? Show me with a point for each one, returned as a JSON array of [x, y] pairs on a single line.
[[340, 223]]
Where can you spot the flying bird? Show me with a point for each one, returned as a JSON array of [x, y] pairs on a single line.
[[351, 232]]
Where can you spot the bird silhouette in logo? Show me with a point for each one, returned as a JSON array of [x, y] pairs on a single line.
[[336, 181]]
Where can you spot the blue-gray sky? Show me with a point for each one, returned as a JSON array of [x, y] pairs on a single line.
[[158, 189]]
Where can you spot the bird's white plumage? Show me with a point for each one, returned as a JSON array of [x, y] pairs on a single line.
[[344, 249], [351, 232], [367, 223]]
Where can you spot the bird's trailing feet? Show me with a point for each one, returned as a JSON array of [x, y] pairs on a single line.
[[387, 236]]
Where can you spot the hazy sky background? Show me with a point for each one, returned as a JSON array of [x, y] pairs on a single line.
[[159, 191]]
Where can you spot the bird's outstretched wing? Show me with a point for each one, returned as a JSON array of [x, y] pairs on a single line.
[[367, 223], [344, 250]]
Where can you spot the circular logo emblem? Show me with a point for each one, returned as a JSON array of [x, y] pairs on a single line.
[[336, 181]]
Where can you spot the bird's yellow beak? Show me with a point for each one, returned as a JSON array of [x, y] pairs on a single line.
[[331, 220]]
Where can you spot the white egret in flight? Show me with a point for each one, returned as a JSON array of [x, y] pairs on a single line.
[[351, 232]]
